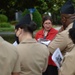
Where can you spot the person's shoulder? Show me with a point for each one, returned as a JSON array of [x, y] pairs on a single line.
[[63, 32], [43, 46], [8, 44], [10, 47]]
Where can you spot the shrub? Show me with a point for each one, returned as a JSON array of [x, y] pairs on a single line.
[[14, 22], [26, 11], [3, 18], [10, 38], [36, 17], [5, 25], [6, 30]]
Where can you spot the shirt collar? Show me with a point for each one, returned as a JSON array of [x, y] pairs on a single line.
[[69, 26], [28, 41]]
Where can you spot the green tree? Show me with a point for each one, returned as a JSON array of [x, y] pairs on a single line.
[[9, 7]]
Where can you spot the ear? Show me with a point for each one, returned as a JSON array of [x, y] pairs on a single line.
[[64, 19], [19, 32]]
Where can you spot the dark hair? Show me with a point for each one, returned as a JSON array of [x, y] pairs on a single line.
[[72, 34], [27, 27], [46, 17]]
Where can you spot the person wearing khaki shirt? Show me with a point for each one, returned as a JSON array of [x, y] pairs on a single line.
[[68, 63], [9, 59], [33, 55], [62, 40]]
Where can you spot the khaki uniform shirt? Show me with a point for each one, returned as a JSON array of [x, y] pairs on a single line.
[[9, 58], [62, 41], [33, 56], [68, 65], [66, 45]]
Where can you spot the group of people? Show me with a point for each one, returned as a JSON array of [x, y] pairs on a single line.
[[30, 57]]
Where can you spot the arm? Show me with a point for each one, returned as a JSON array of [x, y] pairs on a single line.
[[60, 42], [16, 70], [46, 54], [68, 67], [45, 66]]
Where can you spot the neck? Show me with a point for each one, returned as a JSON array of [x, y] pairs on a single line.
[[46, 30], [26, 36], [70, 21]]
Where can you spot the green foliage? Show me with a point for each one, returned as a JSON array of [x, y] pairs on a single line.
[[10, 6], [42, 6], [36, 17], [5, 25], [13, 22], [26, 11], [2, 11], [10, 38], [3, 18]]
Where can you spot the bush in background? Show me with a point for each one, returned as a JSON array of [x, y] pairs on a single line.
[[3, 18], [26, 11], [37, 18], [5, 25], [10, 38], [13, 22]]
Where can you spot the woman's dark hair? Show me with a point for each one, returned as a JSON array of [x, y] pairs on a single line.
[[72, 34], [27, 27], [46, 17]]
